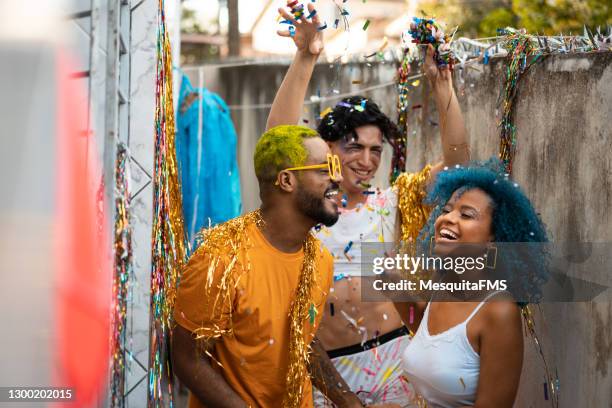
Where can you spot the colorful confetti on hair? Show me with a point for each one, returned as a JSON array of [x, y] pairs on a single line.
[[521, 49], [346, 26], [168, 236], [121, 277], [428, 31]]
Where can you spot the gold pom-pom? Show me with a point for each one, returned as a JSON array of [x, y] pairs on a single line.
[[411, 191]]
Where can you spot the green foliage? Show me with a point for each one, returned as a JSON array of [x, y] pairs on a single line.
[[189, 22], [498, 18], [467, 14], [482, 18]]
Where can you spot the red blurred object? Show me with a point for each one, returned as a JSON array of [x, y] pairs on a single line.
[[83, 268]]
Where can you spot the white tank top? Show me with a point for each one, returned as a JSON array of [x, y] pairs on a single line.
[[444, 368]]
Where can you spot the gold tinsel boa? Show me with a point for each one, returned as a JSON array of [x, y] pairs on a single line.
[[225, 242], [298, 348], [411, 191]]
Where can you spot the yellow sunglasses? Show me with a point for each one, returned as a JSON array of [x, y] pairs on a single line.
[[333, 166]]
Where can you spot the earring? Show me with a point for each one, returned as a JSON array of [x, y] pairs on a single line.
[[491, 253]]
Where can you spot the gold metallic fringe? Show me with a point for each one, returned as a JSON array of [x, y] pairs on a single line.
[[411, 191], [225, 242], [551, 380], [299, 350], [175, 214]]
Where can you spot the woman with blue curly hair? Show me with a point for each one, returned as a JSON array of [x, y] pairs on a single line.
[[469, 352]]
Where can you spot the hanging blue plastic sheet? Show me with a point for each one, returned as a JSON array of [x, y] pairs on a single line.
[[206, 153]]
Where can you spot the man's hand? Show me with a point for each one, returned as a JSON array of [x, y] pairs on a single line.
[[289, 100], [437, 75], [307, 37]]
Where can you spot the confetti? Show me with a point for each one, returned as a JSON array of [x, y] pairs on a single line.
[[428, 31], [122, 276], [384, 44], [325, 112], [366, 25], [398, 160], [312, 313], [520, 48]]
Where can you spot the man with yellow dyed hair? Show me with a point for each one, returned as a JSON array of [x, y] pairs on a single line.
[[251, 296]]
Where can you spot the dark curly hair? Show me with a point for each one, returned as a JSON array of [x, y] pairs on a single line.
[[354, 112], [514, 221]]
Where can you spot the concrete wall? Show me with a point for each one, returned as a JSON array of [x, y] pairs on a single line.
[[564, 161]]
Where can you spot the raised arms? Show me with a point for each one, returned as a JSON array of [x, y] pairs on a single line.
[[287, 106]]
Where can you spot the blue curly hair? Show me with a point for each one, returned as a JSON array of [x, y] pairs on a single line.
[[514, 220]]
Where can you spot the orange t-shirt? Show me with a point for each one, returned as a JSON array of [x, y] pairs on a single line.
[[255, 358]]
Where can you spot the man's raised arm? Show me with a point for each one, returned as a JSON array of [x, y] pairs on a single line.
[[287, 106]]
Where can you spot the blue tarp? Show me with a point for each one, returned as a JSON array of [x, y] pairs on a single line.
[[206, 153]]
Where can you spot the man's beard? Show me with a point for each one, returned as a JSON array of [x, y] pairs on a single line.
[[314, 207]]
